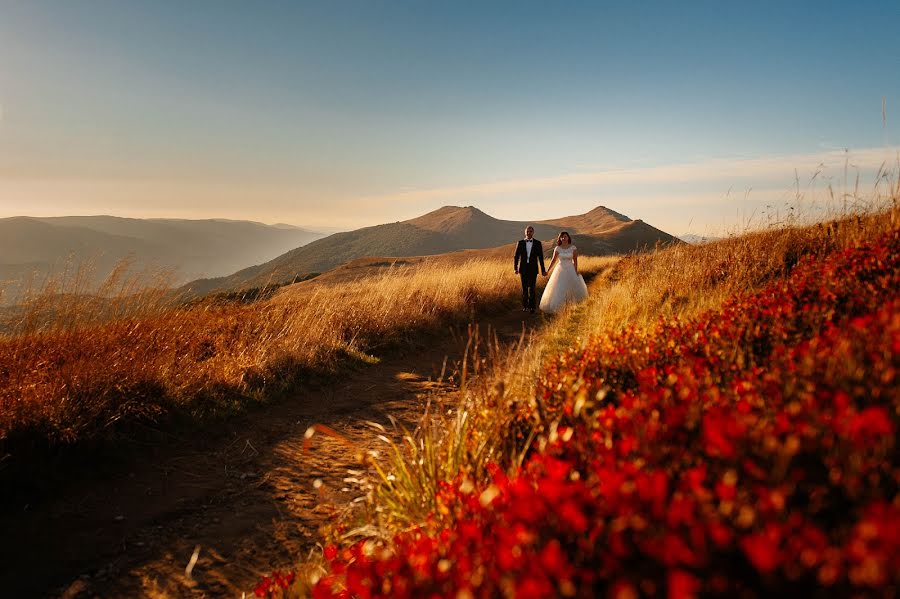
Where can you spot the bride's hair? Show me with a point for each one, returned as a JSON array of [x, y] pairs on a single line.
[[560, 236]]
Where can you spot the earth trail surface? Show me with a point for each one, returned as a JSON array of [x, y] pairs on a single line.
[[241, 496]]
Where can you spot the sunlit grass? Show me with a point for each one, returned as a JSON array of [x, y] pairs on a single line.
[[75, 365], [433, 490], [498, 418]]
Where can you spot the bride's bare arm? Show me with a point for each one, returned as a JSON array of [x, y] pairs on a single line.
[[552, 262], [575, 260]]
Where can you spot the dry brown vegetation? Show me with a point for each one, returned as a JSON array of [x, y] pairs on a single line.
[[768, 359], [637, 291], [76, 367]]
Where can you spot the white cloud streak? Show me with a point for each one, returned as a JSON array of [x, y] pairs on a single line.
[[765, 171], [704, 196]]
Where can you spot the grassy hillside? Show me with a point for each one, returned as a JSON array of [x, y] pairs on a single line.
[[716, 420], [449, 229], [85, 368]]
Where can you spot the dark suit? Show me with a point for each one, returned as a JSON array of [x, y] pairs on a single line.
[[528, 270]]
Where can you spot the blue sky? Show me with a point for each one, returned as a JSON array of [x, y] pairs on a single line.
[[354, 113]]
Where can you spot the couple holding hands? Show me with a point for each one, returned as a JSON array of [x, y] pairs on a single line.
[[565, 284]]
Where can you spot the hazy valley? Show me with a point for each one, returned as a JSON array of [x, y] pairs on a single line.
[[33, 249]]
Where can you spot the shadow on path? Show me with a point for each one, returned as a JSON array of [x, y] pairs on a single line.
[[244, 495]]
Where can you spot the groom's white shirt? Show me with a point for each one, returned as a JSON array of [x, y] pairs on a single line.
[[528, 244]]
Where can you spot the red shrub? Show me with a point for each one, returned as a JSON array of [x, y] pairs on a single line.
[[750, 451]]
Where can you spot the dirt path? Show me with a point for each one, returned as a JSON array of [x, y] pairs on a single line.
[[245, 496]]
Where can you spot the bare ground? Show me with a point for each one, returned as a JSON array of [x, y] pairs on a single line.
[[242, 495]]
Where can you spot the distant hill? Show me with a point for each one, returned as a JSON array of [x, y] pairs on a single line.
[[448, 229], [191, 248], [695, 239]]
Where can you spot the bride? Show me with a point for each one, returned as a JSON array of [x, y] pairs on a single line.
[[565, 284]]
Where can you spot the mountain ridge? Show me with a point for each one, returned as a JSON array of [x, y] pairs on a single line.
[[446, 229], [33, 248]]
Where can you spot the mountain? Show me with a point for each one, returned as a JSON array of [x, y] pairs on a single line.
[[192, 248], [448, 229]]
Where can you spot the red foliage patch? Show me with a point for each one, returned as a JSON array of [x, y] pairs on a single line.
[[749, 451], [275, 584]]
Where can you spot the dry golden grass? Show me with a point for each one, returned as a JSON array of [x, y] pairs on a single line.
[[687, 279], [638, 290], [74, 367], [684, 280]]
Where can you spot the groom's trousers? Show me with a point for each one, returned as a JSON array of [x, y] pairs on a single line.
[[529, 288]]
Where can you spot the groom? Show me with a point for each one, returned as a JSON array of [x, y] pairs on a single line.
[[528, 254]]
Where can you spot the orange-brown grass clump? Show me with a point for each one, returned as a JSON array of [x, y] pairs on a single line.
[[715, 420], [75, 367]]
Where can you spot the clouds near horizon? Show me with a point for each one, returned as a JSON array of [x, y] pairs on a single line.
[[360, 113], [706, 196]]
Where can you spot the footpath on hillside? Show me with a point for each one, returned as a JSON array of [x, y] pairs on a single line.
[[241, 500]]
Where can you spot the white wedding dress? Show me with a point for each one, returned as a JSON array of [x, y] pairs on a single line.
[[565, 284]]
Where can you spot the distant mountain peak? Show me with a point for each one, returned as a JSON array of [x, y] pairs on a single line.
[[449, 211], [596, 220], [604, 211], [450, 218]]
